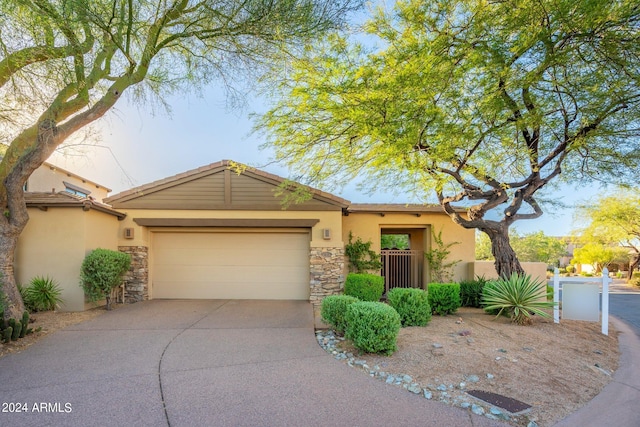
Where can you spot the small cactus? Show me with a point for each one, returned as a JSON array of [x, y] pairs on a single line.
[[6, 334], [16, 331]]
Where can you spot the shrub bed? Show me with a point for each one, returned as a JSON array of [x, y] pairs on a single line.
[[365, 287], [373, 327], [471, 292], [334, 310], [444, 298], [411, 304]]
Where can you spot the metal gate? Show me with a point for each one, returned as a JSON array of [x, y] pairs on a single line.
[[402, 268]]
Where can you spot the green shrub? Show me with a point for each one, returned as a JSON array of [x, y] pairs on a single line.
[[373, 327], [365, 287], [101, 271], [519, 297], [42, 294], [411, 304], [444, 298], [471, 292], [334, 310]]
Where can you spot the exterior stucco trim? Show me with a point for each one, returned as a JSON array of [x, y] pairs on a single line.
[[226, 222]]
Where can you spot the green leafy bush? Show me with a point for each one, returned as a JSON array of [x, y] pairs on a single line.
[[519, 297], [101, 271], [334, 310], [411, 304], [471, 292], [42, 294], [365, 287], [373, 327], [444, 298]]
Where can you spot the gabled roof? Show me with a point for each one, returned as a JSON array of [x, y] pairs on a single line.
[[43, 201], [219, 186]]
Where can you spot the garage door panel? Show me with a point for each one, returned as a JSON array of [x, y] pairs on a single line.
[[230, 265]]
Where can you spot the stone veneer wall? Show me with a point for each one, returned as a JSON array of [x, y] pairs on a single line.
[[136, 280], [326, 274]]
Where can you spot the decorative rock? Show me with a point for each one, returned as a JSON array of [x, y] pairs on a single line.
[[502, 350], [462, 385], [476, 409], [442, 387], [414, 388], [472, 378], [390, 379], [427, 394], [532, 424], [436, 345], [407, 379], [465, 405], [490, 376], [470, 340]]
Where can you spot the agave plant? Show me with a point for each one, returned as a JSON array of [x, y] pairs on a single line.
[[43, 294], [519, 297]]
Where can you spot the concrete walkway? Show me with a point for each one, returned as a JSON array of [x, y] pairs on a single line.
[[203, 363]]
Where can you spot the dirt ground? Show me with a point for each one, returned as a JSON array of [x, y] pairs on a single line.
[[555, 368]]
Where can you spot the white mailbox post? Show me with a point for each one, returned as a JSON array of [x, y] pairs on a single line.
[[580, 298]]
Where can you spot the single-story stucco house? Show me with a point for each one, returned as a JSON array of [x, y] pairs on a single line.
[[213, 233]]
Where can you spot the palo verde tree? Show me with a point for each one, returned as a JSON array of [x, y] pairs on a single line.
[[614, 221], [483, 102], [65, 63]]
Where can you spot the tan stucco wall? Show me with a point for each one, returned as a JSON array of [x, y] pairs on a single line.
[[368, 226], [55, 242], [327, 219], [486, 269], [47, 178]]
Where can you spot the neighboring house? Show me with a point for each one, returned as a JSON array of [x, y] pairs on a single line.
[[49, 178], [213, 233]]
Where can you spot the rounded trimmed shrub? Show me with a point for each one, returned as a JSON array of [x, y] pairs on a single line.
[[411, 304], [365, 287], [373, 327], [334, 309], [101, 271], [444, 298]]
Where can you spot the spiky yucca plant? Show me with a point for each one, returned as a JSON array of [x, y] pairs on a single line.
[[519, 297]]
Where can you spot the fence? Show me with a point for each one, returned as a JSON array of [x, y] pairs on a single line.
[[402, 268], [605, 280]]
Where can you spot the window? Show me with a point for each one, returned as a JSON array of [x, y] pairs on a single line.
[[75, 190]]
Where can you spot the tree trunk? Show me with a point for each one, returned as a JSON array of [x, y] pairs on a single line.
[[633, 265], [8, 242], [506, 261]]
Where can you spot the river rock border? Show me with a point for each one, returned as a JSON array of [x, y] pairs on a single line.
[[452, 394]]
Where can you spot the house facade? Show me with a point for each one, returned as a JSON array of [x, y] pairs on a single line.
[[212, 233]]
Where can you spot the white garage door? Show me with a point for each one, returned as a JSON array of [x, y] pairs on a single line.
[[230, 265]]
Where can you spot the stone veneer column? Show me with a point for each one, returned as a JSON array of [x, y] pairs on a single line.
[[326, 274], [136, 280]]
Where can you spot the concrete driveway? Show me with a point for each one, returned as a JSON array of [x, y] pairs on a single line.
[[202, 363]]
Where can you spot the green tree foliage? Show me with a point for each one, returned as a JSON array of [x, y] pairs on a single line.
[[483, 247], [394, 241], [64, 64], [599, 255], [614, 220], [484, 102], [529, 247]]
